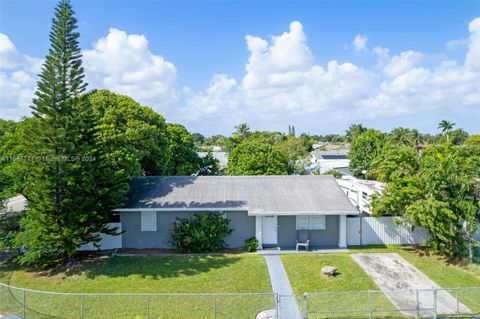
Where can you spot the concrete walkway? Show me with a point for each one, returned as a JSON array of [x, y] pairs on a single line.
[[288, 308], [398, 280]]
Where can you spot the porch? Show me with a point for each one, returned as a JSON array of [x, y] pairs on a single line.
[[279, 233]]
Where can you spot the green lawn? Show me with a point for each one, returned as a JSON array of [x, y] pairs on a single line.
[[179, 274], [350, 284], [305, 276]]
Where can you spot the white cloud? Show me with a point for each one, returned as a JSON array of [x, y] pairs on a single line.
[[359, 43], [218, 97], [402, 63], [281, 83], [17, 80], [472, 60], [124, 64], [457, 43]]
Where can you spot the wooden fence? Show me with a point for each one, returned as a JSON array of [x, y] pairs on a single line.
[[383, 231]]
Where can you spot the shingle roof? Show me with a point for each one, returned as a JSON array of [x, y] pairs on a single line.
[[257, 194]]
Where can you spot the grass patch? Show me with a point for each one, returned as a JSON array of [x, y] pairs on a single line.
[[304, 272], [152, 274]]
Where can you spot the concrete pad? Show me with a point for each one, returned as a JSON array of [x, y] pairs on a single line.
[[399, 280]]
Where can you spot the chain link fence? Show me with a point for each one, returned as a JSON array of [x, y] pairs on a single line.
[[421, 303], [32, 304]]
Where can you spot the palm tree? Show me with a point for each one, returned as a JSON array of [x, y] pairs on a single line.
[[354, 130], [446, 127], [416, 138], [400, 136], [242, 130]]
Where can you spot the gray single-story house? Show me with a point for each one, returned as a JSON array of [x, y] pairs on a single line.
[[271, 208]]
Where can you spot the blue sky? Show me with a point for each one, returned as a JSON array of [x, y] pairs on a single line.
[[206, 60]]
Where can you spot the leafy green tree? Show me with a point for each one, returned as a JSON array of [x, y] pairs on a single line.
[[459, 136], [364, 149], [353, 131], [446, 127], [439, 196], [473, 140], [64, 209], [394, 163], [198, 139], [184, 159], [258, 155], [209, 166], [294, 148], [133, 137]]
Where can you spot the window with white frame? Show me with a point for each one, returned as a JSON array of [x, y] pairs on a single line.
[[311, 222], [148, 221]]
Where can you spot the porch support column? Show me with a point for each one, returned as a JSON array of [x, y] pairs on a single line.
[[342, 233], [258, 230]]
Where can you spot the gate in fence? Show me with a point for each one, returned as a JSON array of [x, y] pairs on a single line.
[[422, 303]]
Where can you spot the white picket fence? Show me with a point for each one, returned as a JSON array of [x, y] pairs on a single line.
[[107, 242], [383, 231]]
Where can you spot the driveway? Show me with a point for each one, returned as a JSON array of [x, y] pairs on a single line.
[[398, 280]]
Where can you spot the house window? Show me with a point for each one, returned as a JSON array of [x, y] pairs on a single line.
[[364, 195], [148, 221], [310, 222]]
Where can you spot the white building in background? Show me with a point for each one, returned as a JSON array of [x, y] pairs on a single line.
[[219, 155], [360, 192], [324, 161]]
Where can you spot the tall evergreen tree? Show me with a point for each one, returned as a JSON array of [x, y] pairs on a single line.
[[63, 186]]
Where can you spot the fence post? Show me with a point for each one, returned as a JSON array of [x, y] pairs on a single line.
[[277, 305], [214, 306], [458, 301], [369, 304], [24, 309], [305, 310], [418, 303], [82, 310], [148, 306], [434, 303]]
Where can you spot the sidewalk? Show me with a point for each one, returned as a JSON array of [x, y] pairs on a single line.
[[288, 308]]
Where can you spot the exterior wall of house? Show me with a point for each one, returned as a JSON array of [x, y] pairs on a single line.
[[287, 234], [242, 224]]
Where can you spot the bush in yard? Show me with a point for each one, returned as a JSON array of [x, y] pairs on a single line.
[[200, 232], [251, 244]]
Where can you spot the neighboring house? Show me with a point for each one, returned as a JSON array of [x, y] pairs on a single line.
[[221, 156], [318, 145], [271, 208], [323, 161], [360, 192], [14, 205]]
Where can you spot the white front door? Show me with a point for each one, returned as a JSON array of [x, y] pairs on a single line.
[[269, 230]]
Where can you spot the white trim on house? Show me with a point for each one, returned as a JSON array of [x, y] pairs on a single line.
[[326, 213], [342, 232], [185, 209], [235, 209]]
